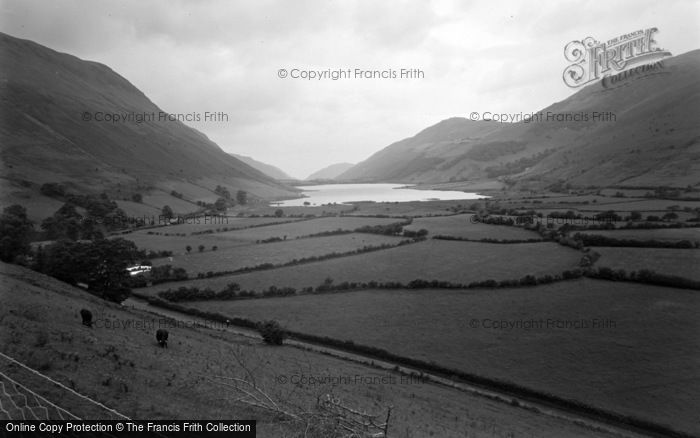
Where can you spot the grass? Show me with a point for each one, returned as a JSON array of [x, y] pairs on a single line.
[[125, 369], [139, 210], [414, 209], [682, 263], [461, 226], [643, 365], [646, 205], [203, 223], [458, 262], [178, 244], [166, 238], [304, 228], [248, 255], [667, 234]]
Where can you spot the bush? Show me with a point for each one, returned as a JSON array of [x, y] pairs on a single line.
[[272, 333]]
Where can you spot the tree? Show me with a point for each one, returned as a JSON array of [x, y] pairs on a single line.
[[201, 248], [188, 248], [136, 197], [271, 332], [167, 212], [223, 192], [100, 264], [669, 216], [66, 223], [242, 197], [15, 232], [214, 248], [53, 190], [279, 212], [220, 204], [636, 216]]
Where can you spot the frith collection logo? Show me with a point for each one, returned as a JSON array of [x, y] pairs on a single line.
[[592, 60]]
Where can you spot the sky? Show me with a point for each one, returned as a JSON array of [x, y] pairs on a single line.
[[192, 57]]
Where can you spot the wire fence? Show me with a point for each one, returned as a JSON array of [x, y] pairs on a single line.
[[19, 402]]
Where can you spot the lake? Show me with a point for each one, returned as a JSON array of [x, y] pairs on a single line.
[[347, 193]]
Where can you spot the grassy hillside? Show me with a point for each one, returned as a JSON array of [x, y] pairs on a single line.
[[54, 129]]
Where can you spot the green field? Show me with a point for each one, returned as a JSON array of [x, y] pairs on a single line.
[[305, 228], [139, 210], [656, 205], [166, 238], [680, 262], [213, 222], [641, 360], [458, 262], [247, 254], [178, 244], [414, 209], [461, 226], [665, 234]]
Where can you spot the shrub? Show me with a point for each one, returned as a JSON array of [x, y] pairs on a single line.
[[271, 332]]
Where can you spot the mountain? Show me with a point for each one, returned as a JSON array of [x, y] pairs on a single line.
[[267, 169], [650, 137], [330, 172], [55, 128]]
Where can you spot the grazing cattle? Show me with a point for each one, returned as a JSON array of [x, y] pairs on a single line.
[[162, 338], [87, 317]]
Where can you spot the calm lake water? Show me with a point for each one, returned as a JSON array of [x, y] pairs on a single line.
[[346, 193]]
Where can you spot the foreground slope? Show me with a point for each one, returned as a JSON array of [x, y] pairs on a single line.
[[57, 127], [651, 138], [121, 366]]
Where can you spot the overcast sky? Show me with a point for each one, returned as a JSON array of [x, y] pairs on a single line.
[[197, 56]]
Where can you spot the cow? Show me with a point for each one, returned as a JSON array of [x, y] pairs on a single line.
[[87, 317], [162, 338]]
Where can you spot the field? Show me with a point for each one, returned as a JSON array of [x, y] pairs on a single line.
[[680, 262], [458, 262], [246, 254], [139, 210], [243, 231], [649, 205], [461, 226], [305, 228], [124, 369], [665, 234], [640, 360], [422, 208]]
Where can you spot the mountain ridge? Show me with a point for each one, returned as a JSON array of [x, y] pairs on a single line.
[[329, 172], [268, 169], [653, 125], [53, 129]]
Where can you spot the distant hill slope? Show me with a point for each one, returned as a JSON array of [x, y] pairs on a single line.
[[267, 169], [653, 140], [49, 132], [330, 172]]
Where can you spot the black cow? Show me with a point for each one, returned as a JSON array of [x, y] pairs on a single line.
[[162, 338], [87, 317]]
